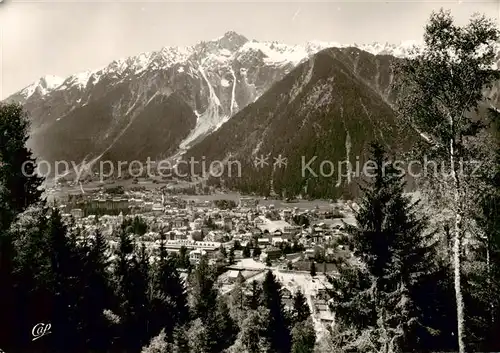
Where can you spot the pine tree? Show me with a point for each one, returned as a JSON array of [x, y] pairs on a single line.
[[96, 293], [7, 294], [199, 340], [212, 312], [303, 337], [20, 185], [253, 336], [131, 292], [134, 300], [301, 311], [256, 293], [48, 280], [378, 291], [33, 278], [439, 90], [180, 340], [65, 266], [158, 344], [123, 254], [237, 299], [277, 330], [184, 258], [226, 328], [203, 294], [231, 256], [169, 300], [247, 251], [18, 191], [312, 269], [142, 295]]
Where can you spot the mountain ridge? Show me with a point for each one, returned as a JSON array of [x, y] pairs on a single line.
[[175, 54], [107, 113], [329, 108]]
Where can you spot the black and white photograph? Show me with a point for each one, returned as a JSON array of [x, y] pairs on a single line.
[[249, 177]]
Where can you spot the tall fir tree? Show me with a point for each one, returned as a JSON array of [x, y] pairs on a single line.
[[312, 269], [378, 295], [139, 297], [301, 311], [277, 330], [237, 299], [225, 329], [97, 293], [18, 191], [255, 295], [169, 298], [253, 335], [131, 293], [65, 266], [303, 337], [211, 311], [203, 294], [180, 340], [199, 337], [158, 344], [33, 277], [19, 181]]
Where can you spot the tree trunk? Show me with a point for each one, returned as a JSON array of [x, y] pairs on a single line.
[[457, 251], [458, 288], [489, 280]]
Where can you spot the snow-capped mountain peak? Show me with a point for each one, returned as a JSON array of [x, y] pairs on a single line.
[[403, 49], [231, 41], [277, 53], [43, 86], [219, 51], [51, 81]]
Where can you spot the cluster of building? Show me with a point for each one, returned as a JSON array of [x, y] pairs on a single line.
[[254, 235], [202, 228], [133, 202]]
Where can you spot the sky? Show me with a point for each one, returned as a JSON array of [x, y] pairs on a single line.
[[40, 37]]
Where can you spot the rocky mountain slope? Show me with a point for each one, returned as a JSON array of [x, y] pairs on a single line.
[[328, 109], [321, 115], [192, 91], [104, 113]]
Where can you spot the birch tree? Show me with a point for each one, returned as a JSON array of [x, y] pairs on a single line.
[[441, 93]]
